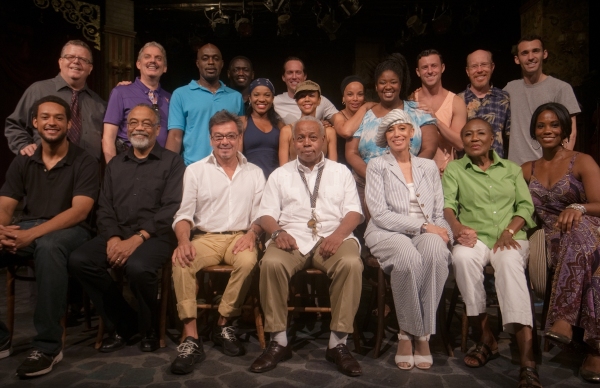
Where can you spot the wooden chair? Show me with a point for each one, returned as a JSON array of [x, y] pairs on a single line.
[[382, 289], [253, 297], [465, 321], [165, 289], [12, 275], [296, 295]]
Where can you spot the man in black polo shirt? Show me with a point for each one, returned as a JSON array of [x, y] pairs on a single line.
[[142, 191], [59, 183]]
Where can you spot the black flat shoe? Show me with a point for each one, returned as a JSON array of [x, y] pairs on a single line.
[[563, 339], [112, 343], [589, 376], [149, 343]]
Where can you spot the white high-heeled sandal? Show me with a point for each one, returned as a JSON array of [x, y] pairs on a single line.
[[420, 359], [400, 358]]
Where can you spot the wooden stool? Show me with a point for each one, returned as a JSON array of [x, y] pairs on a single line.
[[296, 295], [165, 289], [253, 296]]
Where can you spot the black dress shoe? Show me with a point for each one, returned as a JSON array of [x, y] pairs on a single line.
[[589, 376], [561, 339], [273, 354], [346, 363], [149, 343], [112, 343], [225, 338]]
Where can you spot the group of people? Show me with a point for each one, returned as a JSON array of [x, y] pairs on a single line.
[[201, 176]]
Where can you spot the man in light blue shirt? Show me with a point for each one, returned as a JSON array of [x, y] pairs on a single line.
[[194, 104]]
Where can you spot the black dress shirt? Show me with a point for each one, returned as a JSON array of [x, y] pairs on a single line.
[[50, 192], [141, 194]]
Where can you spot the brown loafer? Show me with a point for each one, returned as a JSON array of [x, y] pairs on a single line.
[[273, 354], [346, 363]]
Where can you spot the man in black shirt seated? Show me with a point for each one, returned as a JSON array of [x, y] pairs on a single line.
[[142, 191], [59, 183]]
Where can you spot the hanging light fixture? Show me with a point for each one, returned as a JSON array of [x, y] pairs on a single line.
[[350, 7]]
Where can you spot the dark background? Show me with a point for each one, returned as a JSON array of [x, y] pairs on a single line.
[[31, 39]]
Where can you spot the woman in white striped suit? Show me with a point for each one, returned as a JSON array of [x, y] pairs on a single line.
[[408, 235]]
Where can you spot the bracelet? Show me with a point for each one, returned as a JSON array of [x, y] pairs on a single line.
[[141, 235], [577, 206]]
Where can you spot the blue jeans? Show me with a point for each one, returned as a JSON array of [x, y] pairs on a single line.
[[50, 253]]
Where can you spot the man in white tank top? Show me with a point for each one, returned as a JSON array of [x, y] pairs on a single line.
[[446, 107]]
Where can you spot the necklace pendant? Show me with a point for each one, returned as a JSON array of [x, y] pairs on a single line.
[[312, 223]]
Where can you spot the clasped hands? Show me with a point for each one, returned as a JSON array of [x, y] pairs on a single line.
[[118, 251], [12, 238], [328, 247]]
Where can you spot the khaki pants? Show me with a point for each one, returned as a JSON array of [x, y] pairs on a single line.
[[344, 269], [214, 249]]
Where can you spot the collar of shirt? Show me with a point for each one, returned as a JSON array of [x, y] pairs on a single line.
[[307, 170], [138, 82], [195, 85], [155, 153], [466, 162], [242, 161], [61, 84], [495, 92], [68, 159]]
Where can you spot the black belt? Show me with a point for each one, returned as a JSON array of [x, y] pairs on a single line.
[[226, 232]]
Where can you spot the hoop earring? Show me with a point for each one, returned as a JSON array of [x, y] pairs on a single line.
[[538, 143]]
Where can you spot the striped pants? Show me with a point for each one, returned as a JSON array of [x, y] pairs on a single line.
[[418, 268]]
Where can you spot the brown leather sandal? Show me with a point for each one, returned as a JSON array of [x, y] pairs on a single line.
[[529, 378], [482, 353]]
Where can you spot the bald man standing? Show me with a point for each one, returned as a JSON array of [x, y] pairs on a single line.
[[194, 104]]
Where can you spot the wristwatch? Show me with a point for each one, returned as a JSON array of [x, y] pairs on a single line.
[[276, 233], [424, 227]]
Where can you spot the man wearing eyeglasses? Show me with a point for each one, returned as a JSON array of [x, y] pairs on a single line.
[[146, 89], [221, 195], [193, 105], [87, 108], [486, 101], [142, 191]]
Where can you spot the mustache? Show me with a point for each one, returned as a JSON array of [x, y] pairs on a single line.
[[141, 133]]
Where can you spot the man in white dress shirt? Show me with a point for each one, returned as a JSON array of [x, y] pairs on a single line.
[[285, 104], [310, 208], [221, 196]]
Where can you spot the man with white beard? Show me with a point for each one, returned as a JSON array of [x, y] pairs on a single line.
[[142, 191]]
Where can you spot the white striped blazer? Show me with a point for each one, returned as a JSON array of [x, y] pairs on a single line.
[[388, 198]]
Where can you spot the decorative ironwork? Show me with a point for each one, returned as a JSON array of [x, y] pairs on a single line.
[[85, 16]]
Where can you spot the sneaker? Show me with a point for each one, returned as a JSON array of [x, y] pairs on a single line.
[[191, 352], [224, 336], [5, 348], [38, 364]]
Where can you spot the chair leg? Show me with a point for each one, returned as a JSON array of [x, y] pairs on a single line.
[[86, 310], [452, 308], [380, 312], [10, 300], [549, 278], [258, 317], [100, 334], [356, 338], [464, 331], [441, 324], [164, 298]]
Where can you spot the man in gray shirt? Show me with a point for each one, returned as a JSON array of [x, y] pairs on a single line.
[[76, 64], [533, 90]]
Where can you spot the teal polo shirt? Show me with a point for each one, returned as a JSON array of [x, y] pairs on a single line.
[[487, 201], [191, 108]]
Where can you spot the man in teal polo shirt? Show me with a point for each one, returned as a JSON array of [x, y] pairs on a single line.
[[194, 104], [487, 204]]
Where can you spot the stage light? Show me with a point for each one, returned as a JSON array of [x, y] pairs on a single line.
[[329, 25], [244, 27], [284, 24], [274, 6], [350, 7], [415, 24]]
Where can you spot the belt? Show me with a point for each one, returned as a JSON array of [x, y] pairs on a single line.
[[226, 232]]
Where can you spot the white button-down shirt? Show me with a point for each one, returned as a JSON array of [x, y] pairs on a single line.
[[214, 203], [288, 202]]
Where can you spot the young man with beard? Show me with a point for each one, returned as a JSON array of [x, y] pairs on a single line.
[[241, 74], [221, 195], [87, 108], [146, 89], [531, 91], [193, 105], [59, 183], [141, 193]]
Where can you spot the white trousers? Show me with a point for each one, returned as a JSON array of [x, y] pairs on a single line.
[[511, 284]]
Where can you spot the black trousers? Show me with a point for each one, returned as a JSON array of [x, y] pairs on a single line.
[[89, 265]]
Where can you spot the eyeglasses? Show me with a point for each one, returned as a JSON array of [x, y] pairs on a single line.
[[229, 136], [153, 99], [72, 58], [133, 124], [484, 65]]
